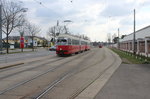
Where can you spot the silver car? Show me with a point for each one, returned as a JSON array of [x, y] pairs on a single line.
[[52, 48]]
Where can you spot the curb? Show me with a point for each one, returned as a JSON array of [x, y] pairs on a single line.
[[12, 65]]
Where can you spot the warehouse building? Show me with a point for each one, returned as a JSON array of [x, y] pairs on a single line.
[[142, 42]]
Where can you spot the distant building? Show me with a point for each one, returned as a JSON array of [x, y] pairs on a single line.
[[37, 41]]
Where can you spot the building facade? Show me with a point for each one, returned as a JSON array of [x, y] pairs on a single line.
[[142, 42], [37, 41]]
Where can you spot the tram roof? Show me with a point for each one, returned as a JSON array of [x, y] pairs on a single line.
[[72, 37]]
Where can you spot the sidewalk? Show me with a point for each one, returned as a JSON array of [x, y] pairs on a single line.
[[130, 81], [9, 60], [18, 50]]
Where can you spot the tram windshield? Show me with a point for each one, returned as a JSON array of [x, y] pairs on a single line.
[[62, 41]]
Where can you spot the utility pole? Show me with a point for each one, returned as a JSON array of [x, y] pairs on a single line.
[[134, 36], [54, 34], [57, 22], [118, 40], [1, 44]]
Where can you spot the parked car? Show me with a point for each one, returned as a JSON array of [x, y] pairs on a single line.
[[52, 48]]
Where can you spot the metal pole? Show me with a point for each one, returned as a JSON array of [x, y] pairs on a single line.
[[118, 40], [134, 36], [54, 34], [1, 44], [57, 22]]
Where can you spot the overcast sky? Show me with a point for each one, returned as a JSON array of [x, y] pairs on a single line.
[[94, 18]]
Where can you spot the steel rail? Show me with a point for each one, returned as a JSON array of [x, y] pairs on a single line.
[[26, 81], [37, 66], [89, 83], [32, 62], [57, 81], [68, 74]]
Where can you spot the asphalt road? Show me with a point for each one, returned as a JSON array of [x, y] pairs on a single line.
[[59, 77], [128, 82]]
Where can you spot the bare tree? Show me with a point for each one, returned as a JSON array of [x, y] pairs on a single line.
[[115, 40], [12, 17], [51, 31], [33, 30], [54, 31], [59, 30], [65, 30]]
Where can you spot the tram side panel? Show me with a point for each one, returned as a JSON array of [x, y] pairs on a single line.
[[62, 49], [71, 45], [87, 47], [67, 49]]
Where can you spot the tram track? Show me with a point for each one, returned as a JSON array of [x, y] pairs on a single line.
[[36, 66], [63, 77], [26, 62], [55, 82], [69, 74], [43, 64], [75, 94], [51, 69]]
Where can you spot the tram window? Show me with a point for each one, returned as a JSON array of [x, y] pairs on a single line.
[[69, 41], [75, 42], [85, 43], [82, 42], [78, 42], [62, 42]]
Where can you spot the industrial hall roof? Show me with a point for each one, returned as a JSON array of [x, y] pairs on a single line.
[[142, 33]]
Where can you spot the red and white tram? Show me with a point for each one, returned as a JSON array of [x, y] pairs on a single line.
[[68, 44]]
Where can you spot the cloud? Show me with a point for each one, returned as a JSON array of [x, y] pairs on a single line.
[[115, 10], [90, 17], [50, 13], [128, 20]]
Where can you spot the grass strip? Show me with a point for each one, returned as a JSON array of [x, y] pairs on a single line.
[[129, 58]]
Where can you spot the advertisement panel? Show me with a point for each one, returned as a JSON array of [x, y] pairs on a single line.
[[21, 42]]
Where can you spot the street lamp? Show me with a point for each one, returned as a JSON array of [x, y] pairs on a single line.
[[66, 21], [118, 40]]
